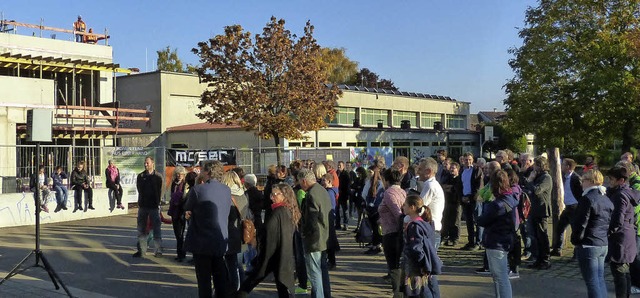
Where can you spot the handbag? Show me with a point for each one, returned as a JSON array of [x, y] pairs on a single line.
[[248, 228]]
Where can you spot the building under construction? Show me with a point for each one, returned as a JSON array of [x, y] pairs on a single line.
[[46, 68]]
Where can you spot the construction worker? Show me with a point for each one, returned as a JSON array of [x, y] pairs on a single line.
[[90, 37], [79, 26]]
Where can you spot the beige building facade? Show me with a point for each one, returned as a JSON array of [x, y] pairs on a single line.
[[401, 123]]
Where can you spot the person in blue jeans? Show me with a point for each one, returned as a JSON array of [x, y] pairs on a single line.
[[590, 225], [499, 220], [316, 207], [61, 190]]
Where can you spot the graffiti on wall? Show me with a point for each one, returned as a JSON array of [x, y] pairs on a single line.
[[364, 157]]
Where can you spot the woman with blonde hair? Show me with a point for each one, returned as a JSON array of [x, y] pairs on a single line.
[[239, 211], [276, 251], [319, 170], [590, 227]]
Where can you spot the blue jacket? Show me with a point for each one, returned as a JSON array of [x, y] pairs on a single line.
[[499, 221], [420, 253], [210, 204], [622, 233], [591, 219], [57, 178]]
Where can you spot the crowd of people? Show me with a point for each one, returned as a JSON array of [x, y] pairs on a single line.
[[410, 211]]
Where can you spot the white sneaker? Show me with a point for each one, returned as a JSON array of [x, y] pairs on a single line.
[[513, 275], [635, 290]]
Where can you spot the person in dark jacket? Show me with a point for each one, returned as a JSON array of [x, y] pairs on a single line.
[[572, 192], [112, 175], [80, 184], [149, 184], [421, 261], [343, 198], [316, 207], [274, 176], [538, 186], [472, 181], [589, 227], [276, 253], [255, 200], [61, 190], [179, 190], [208, 231], [239, 212], [357, 199], [452, 209], [622, 245], [499, 221]]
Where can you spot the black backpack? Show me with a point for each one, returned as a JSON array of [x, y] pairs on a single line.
[[365, 233]]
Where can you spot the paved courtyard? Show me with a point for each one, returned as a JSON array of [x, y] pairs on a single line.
[[93, 258]]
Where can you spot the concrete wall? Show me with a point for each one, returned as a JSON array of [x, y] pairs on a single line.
[[173, 98], [141, 91], [46, 47], [236, 138], [18, 209], [180, 99], [19, 91]]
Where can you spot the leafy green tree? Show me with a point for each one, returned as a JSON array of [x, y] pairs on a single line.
[[576, 77], [270, 83], [168, 60], [337, 66], [506, 138]]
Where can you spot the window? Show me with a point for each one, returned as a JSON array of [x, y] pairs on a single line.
[[344, 116], [371, 117], [384, 144], [403, 144], [456, 121], [375, 144], [324, 144], [362, 144], [336, 144], [418, 144], [307, 144], [294, 144], [427, 119], [398, 116], [352, 144]]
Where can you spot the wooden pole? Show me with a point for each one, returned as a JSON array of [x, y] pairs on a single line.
[[557, 193]]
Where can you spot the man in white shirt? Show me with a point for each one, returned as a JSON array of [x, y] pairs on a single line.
[[572, 192], [432, 194]]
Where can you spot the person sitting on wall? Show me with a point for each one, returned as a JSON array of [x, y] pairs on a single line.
[[38, 183], [80, 184], [61, 190]]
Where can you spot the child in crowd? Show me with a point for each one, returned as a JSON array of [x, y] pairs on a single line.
[[421, 261]]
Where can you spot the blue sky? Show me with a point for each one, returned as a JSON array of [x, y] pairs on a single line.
[[455, 48]]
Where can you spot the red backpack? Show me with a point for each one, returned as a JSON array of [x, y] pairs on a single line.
[[524, 206]]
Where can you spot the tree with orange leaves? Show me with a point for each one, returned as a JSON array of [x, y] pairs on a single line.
[[270, 83]]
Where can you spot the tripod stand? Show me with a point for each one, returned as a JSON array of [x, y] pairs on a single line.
[[37, 252]]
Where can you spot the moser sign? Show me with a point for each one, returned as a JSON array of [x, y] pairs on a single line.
[[190, 158]]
